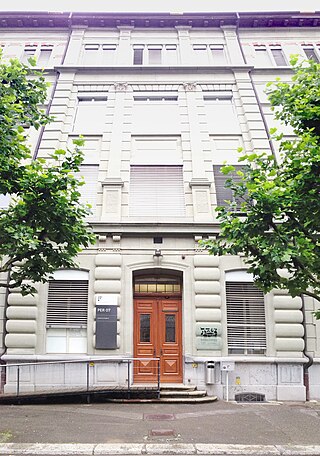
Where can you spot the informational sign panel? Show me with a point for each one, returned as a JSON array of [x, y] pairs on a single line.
[[106, 326], [208, 336]]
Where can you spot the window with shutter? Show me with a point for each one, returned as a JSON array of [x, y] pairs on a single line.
[[223, 193], [67, 312], [29, 51], [246, 325], [218, 54], [88, 190], [44, 56], [278, 56], [90, 114], [221, 113], [311, 53], [262, 57], [157, 191], [67, 303]]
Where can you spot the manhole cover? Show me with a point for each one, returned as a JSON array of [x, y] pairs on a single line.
[[159, 417], [161, 432]]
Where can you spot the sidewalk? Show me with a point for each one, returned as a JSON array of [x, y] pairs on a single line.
[[108, 429]]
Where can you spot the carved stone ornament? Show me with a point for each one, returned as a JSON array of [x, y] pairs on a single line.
[[121, 86], [190, 86]]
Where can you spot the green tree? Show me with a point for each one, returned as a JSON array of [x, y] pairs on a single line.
[[277, 224], [44, 227]]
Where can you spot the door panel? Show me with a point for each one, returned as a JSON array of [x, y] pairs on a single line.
[[158, 333], [145, 326]]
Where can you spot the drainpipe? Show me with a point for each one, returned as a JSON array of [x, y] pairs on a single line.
[[306, 380], [3, 372], [53, 89], [254, 89]]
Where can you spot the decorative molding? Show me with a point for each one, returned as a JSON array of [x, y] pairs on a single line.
[[190, 86], [120, 86], [199, 182], [112, 182]]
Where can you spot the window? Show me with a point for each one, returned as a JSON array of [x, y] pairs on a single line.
[[44, 56], [96, 54], [246, 325], [90, 114], [212, 54], [155, 113], [218, 54], [278, 56], [156, 151], [88, 190], [262, 57], [67, 312], [108, 54], [29, 51], [201, 54], [171, 55], [311, 53], [138, 55], [154, 55], [89, 170], [156, 191], [221, 113], [223, 193], [91, 54]]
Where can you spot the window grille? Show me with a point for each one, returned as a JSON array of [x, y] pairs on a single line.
[[246, 325]]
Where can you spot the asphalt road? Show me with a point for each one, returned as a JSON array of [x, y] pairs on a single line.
[[160, 429]]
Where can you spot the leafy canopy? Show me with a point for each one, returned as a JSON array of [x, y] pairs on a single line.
[[277, 228], [44, 227]]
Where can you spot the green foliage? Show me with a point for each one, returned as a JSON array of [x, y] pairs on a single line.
[[43, 228], [278, 231]]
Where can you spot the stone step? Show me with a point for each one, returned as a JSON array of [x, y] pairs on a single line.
[[182, 393], [169, 400], [187, 400], [177, 387]]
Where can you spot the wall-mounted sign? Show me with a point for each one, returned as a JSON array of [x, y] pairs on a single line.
[[208, 336], [106, 326], [111, 299]]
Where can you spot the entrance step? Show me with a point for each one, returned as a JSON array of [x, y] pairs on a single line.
[[184, 394], [188, 400]]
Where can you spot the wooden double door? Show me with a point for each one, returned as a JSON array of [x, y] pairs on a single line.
[[158, 333]]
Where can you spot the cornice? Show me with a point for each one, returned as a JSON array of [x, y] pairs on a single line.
[[40, 20]]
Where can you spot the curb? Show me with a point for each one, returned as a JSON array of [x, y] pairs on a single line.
[[88, 449]]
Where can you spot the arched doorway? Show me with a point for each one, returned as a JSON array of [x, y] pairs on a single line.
[[158, 325]]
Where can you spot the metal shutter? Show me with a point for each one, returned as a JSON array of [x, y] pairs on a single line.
[[224, 194], [67, 303], [157, 191], [89, 189], [245, 317], [278, 57]]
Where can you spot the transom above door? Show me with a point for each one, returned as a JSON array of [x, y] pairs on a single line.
[[158, 328]]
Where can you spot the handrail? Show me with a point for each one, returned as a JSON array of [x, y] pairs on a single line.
[[87, 362]]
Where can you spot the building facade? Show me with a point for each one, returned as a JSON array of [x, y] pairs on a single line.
[[162, 100]]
